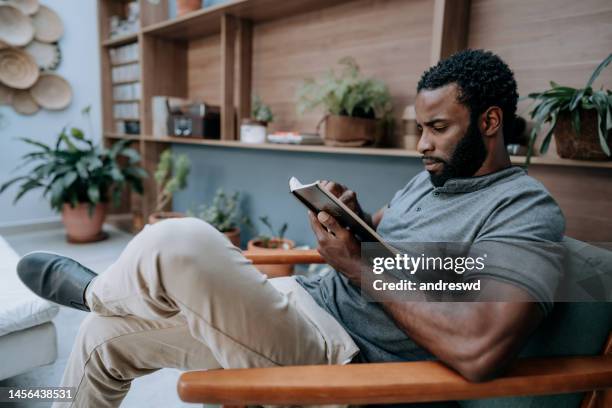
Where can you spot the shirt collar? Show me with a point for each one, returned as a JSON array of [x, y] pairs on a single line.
[[470, 184]]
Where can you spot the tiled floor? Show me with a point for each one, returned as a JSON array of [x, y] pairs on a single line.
[[155, 390]]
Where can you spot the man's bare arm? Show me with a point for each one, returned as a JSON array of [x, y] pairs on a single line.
[[475, 338]]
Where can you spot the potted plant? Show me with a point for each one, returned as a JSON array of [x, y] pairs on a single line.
[[224, 214], [170, 176], [254, 129], [187, 6], [357, 108], [274, 242], [80, 178], [580, 119]]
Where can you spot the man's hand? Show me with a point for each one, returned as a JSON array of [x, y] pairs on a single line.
[[337, 245], [348, 197]]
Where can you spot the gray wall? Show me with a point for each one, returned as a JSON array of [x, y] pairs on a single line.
[[262, 176], [81, 67]]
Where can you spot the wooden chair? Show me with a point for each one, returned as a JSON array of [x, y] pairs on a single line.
[[385, 383]]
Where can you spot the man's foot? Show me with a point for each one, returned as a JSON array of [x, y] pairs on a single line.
[[56, 278]]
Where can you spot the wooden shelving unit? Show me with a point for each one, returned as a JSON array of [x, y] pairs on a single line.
[[362, 151], [168, 53]]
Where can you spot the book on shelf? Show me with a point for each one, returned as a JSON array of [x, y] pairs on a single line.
[[295, 138]]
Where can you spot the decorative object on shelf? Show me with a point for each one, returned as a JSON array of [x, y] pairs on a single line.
[[23, 103], [82, 178], [52, 92], [187, 6], [17, 68], [354, 105], [120, 26], [48, 25], [411, 137], [194, 119], [295, 138], [274, 242], [6, 95], [28, 7], [16, 28], [160, 111], [47, 56], [225, 214], [255, 128], [579, 119], [517, 143], [170, 176]]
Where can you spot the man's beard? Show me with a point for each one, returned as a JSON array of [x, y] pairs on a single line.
[[467, 158]]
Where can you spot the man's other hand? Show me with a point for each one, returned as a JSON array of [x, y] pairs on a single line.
[[348, 197], [337, 245]]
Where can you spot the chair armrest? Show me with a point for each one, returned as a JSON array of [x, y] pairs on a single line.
[[390, 382], [290, 256]]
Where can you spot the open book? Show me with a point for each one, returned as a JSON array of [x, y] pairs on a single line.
[[317, 198]]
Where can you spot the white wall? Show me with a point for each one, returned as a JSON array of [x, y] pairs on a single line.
[[81, 67]]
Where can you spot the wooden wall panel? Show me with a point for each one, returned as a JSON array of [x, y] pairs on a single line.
[[204, 69], [584, 195], [390, 39], [543, 40], [561, 40]]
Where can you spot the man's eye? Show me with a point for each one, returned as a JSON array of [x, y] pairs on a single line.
[[439, 129]]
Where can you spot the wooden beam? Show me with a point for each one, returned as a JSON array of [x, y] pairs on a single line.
[[244, 63], [151, 13], [228, 43], [450, 28]]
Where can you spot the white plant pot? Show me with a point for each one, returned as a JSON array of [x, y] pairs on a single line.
[[252, 133]]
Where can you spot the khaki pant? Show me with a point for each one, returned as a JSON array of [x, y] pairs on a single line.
[[182, 296]]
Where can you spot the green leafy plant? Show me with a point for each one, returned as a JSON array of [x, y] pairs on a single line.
[[171, 176], [260, 111], [563, 99], [224, 213], [347, 93], [275, 240], [75, 170]]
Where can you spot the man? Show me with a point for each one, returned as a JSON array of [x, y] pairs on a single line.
[[181, 295]]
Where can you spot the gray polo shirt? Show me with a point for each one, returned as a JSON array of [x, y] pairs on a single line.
[[505, 206]]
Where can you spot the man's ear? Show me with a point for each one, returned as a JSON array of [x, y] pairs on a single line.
[[491, 121]]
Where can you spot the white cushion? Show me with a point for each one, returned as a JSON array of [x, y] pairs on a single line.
[[26, 349], [19, 307]]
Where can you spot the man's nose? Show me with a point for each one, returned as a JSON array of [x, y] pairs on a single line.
[[424, 144]]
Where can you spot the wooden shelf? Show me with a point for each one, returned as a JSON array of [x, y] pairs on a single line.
[[121, 136], [207, 21], [120, 40], [368, 151]]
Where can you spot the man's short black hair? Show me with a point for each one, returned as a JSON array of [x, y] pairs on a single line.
[[483, 80]]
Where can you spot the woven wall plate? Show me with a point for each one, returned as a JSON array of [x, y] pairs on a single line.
[[52, 92], [6, 95], [48, 26], [24, 103], [17, 68], [15, 27], [46, 55], [26, 6]]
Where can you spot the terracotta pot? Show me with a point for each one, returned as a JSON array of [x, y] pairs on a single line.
[[585, 146], [351, 131], [187, 6], [80, 227], [164, 215], [234, 236], [273, 271]]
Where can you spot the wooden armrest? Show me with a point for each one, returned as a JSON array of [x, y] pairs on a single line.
[[390, 382], [290, 256]]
